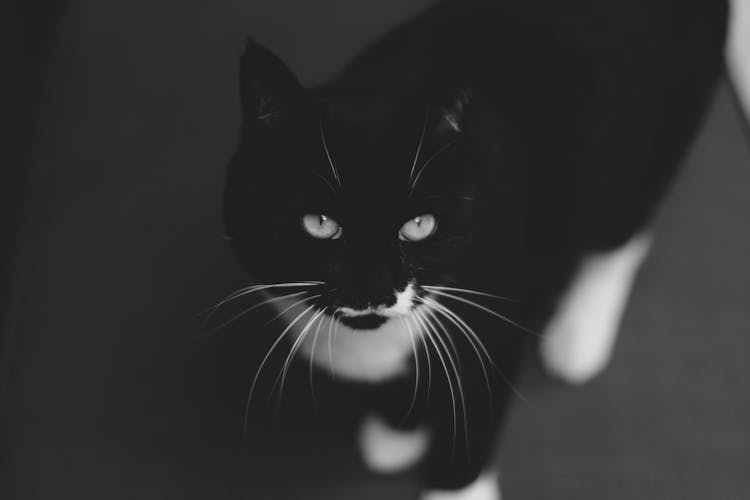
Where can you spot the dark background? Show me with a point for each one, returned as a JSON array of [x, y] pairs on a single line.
[[121, 117]]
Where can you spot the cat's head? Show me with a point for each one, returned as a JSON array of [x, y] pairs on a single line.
[[359, 198]]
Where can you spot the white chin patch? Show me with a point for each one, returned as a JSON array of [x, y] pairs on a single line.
[[371, 355], [387, 450], [485, 487], [402, 307], [365, 355]]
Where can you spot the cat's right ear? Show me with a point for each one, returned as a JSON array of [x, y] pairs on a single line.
[[268, 90], [451, 112]]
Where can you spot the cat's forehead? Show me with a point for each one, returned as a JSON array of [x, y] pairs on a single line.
[[373, 148]]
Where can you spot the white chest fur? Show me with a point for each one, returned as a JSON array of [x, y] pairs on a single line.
[[364, 355]]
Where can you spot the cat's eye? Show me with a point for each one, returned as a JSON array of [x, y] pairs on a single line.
[[418, 228], [321, 226]]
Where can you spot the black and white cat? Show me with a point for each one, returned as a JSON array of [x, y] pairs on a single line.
[[485, 172]]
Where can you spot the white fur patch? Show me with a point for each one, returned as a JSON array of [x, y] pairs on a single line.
[[738, 51], [402, 307], [485, 487], [363, 355], [368, 356], [387, 450], [580, 336]]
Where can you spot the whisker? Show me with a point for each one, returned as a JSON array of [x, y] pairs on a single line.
[[291, 307], [441, 196], [247, 311], [335, 335], [252, 289], [330, 186], [427, 356], [440, 309], [419, 147], [428, 333], [331, 335], [459, 383], [454, 347], [328, 154], [466, 290], [478, 342], [427, 163], [312, 355], [265, 360], [263, 286], [295, 347], [489, 311], [416, 368], [458, 321]]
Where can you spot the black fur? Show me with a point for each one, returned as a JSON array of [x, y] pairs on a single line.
[[558, 127]]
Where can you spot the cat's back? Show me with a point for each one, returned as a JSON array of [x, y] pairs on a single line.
[[602, 97], [564, 72]]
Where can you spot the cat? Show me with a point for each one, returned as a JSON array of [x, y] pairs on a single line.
[[478, 181]]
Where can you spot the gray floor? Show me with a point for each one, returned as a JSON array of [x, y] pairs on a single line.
[[125, 249], [670, 418]]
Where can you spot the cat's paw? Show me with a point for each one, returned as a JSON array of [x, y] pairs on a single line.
[[579, 338], [485, 487], [573, 351], [388, 450]]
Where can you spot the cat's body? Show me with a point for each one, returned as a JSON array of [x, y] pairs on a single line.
[[502, 148]]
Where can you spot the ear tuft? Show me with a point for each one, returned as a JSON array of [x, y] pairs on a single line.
[[269, 111], [451, 116], [268, 89]]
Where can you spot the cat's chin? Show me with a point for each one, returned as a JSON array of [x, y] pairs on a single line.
[[366, 355], [363, 322]]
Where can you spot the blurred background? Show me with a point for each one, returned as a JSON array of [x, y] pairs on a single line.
[[119, 120]]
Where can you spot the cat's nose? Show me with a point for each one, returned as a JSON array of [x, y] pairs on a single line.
[[379, 288], [372, 288], [368, 296], [363, 302]]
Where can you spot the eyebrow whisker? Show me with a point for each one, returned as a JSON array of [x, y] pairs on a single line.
[[419, 148], [316, 174], [328, 154], [427, 163]]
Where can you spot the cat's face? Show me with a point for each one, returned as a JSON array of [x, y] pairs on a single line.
[[360, 202]]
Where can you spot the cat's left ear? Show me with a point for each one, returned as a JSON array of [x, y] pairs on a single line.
[[268, 89], [450, 114]]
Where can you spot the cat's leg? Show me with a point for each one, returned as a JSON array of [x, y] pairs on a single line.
[[580, 336], [738, 52], [484, 487], [452, 445], [461, 466], [386, 449], [453, 475]]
